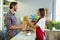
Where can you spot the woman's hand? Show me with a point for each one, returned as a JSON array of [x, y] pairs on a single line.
[[32, 24]]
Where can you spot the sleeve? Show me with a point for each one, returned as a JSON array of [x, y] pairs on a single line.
[[41, 24], [8, 21]]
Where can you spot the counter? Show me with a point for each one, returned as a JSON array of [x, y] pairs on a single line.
[[50, 35], [23, 36]]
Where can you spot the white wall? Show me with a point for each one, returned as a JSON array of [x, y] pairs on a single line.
[[0, 14], [58, 10], [29, 7]]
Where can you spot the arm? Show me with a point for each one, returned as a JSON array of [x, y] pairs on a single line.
[[32, 25], [22, 26], [15, 27]]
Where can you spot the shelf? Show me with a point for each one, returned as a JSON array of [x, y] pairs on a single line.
[[5, 5], [11, 0]]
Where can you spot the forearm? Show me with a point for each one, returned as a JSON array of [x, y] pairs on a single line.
[[32, 25], [14, 27]]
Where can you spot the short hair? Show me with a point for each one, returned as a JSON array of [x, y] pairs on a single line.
[[42, 12], [12, 4]]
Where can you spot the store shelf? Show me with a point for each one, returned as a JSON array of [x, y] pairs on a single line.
[[5, 5]]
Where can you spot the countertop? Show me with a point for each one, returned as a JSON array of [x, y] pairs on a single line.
[[50, 35], [23, 36]]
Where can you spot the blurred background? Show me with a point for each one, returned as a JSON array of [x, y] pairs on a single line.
[[29, 8]]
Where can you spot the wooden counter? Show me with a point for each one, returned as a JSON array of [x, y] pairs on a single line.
[[53, 35]]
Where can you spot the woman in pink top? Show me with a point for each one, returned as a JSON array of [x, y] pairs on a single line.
[[39, 25]]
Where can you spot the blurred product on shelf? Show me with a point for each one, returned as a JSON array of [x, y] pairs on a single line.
[[33, 17], [37, 17], [6, 3]]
